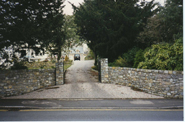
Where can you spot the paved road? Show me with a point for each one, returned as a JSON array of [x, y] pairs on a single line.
[[91, 104], [81, 82], [92, 115]]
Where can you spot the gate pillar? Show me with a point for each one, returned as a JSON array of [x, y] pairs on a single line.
[[59, 73], [104, 72]]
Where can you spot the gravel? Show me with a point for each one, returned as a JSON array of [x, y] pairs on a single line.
[[82, 83]]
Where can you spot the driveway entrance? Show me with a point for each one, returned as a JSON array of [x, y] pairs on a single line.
[[82, 82]]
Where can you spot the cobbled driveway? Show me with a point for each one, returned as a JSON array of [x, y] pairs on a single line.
[[82, 82]]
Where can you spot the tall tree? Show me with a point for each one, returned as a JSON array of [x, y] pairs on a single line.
[[172, 17], [111, 26], [29, 23], [70, 29], [166, 26]]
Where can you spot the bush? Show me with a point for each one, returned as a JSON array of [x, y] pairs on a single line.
[[90, 56], [129, 57], [121, 62], [95, 67], [177, 54], [18, 65], [164, 57], [139, 57]]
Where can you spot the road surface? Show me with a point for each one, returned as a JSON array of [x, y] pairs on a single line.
[[92, 115]]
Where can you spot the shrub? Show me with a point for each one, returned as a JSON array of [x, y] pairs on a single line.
[[129, 56], [95, 67], [18, 65], [139, 57], [127, 59], [90, 55], [121, 62], [164, 57], [177, 54]]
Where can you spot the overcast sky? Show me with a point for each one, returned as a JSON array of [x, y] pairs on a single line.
[[69, 11]]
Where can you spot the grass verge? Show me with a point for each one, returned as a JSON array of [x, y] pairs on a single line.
[[67, 64]]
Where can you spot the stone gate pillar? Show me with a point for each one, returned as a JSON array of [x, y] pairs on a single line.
[[104, 70], [59, 73]]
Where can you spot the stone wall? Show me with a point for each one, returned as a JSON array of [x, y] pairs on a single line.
[[163, 83], [17, 82]]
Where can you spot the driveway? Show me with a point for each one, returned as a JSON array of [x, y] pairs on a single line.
[[82, 82]]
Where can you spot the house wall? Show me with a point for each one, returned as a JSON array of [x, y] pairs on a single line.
[[71, 57], [82, 50], [163, 83]]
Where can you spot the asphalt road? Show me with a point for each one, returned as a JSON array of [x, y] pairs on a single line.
[[92, 103], [92, 115]]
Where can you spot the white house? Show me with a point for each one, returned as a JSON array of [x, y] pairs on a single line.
[[82, 50]]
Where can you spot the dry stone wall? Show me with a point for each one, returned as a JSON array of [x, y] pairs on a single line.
[[17, 82], [163, 83]]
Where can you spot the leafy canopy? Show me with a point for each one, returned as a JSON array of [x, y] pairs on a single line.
[[29, 23], [166, 26], [110, 26]]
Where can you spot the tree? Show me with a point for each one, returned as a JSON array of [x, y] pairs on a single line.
[[29, 23], [172, 17], [166, 26], [57, 36], [110, 26], [68, 35], [153, 32], [70, 29]]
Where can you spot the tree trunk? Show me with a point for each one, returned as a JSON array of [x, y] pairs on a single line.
[[95, 59]]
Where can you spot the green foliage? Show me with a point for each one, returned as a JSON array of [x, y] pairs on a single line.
[[70, 29], [127, 59], [177, 54], [121, 62], [40, 65], [29, 23], [153, 32], [95, 67], [111, 27], [90, 55], [139, 57], [130, 55], [173, 19], [67, 64], [166, 26], [164, 57], [18, 65]]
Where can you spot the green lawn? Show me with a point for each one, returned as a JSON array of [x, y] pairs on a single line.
[[46, 65], [67, 65]]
